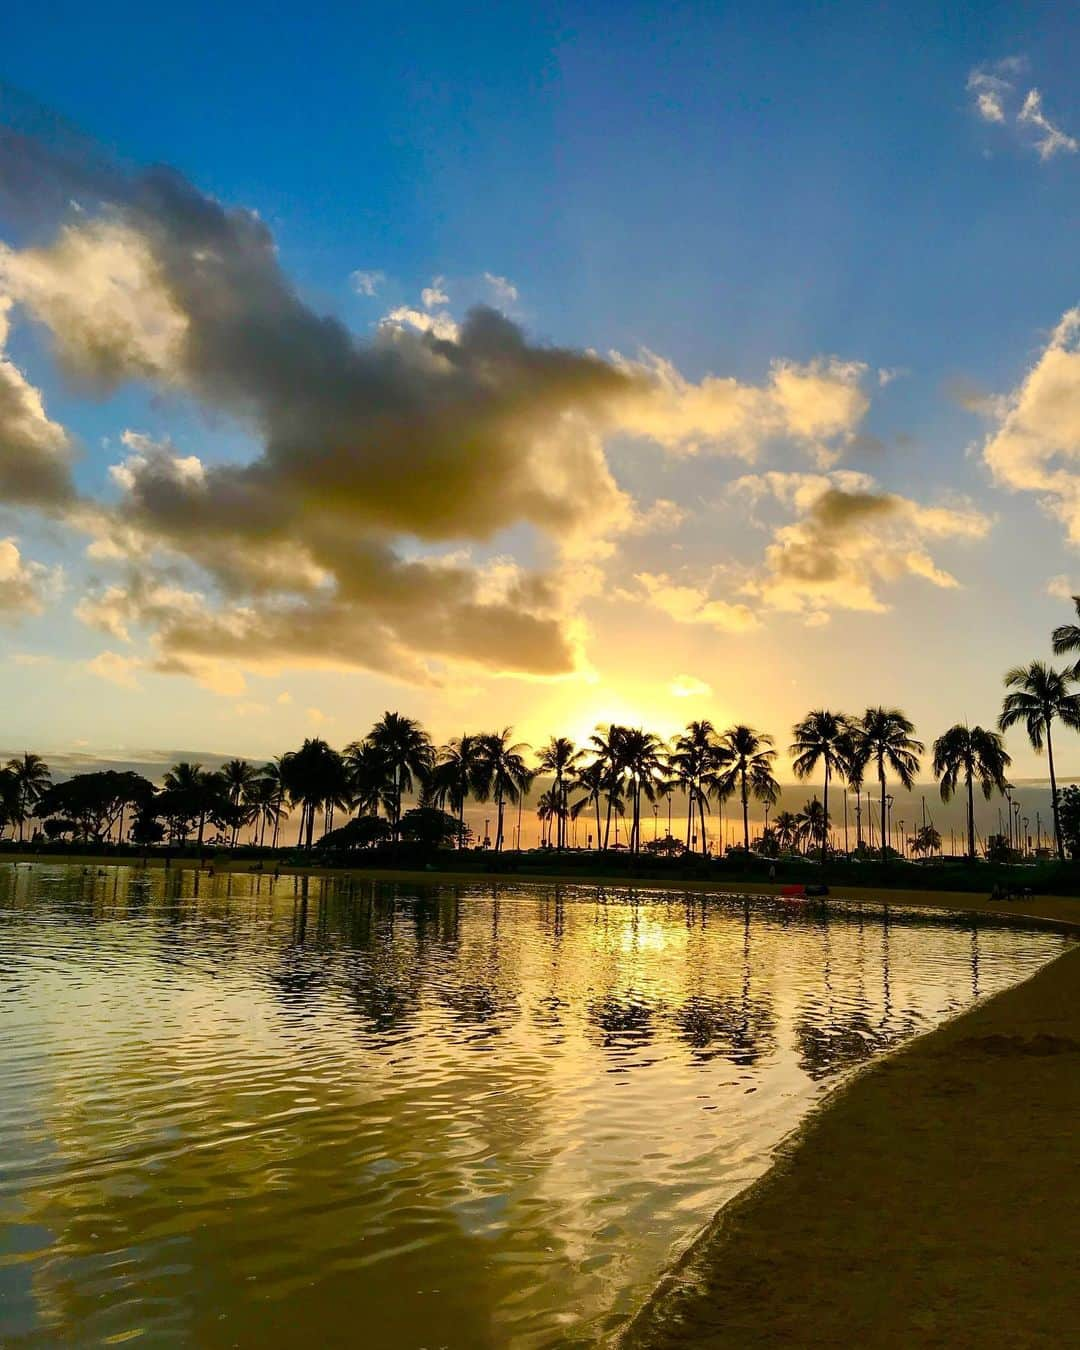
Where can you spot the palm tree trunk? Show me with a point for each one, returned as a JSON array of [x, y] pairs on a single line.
[[596, 803], [701, 820], [970, 815], [1054, 794], [607, 824], [884, 821], [461, 823], [745, 813], [499, 830], [825, 822], [690, 791], [310, 824]]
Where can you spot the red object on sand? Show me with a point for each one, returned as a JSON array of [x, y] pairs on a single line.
[[793, 892]]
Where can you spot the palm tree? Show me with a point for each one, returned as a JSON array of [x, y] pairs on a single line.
[[641, 765], [456, 775], [272, 782], [592, 779], [407, 756], [607, 747], [311, 776], [1066, 638], [559, 758], [503, 774], [973, 753], [824, 738], [809, 824], [239, 776], [926, 839], [1039, 695], [745, 760], [693, 762], [786, 825], [201, 790], [885, 737], [32, 778], [547, 810]]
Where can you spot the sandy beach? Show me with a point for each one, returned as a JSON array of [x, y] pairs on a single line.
[[931, 1201]]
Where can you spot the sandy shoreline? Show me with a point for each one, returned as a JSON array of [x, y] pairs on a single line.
[[931, 1201]]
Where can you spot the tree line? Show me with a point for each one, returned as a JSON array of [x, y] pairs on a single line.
[[606, 779]]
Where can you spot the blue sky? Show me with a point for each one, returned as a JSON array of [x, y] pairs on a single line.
[[724, 186]]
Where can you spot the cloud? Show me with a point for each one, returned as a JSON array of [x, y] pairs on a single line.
[[689, 686], [818, 404], [25, 587], [117, 669], [35, 452], [434, 295], [848, 540], [316, 716], [1036, 444], [381, 463], [504, 291], [1061, 588], [284, 697], [367, 283], [996, 99], [693, 604], [1050, 139]]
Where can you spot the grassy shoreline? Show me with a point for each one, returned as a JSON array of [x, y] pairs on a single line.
[[929, 1201]]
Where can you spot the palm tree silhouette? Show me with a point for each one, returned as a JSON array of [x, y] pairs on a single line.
[[591, 780], [786, 825], [456, 775], [885, 737], [809, 824], [405, 751], [503, 774], [32, 778], [971, 753], [311, 776], [1039, 694], [559, 758], [239, 777], [822, 737], [641, 765], [1066, 638], [744, 758], [693, 761], [547, 810], [200, 789], [607, 747]]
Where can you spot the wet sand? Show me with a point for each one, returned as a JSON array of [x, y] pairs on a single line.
[[933, 1201]]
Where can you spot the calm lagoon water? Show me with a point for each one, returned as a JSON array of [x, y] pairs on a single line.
[[240, 1112]]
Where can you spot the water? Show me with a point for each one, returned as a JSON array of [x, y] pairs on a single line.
[[235, 1111]]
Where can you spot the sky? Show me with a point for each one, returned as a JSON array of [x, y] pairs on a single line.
[[543, 366]]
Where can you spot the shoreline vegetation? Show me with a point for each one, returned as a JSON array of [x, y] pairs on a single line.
[[928, 1201]]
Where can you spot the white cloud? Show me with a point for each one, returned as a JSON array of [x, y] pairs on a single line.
[[848, 540], [689, 686], [284, 698], [116, 669], [1050, 139], [504, 291], [367, 283], [26, 587], [693, 604], [818, 404], [434, 295], [440, 324], [1061, 588], [1036, 445], [996, 98], [316, 716]]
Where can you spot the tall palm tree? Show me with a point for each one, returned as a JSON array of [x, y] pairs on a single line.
[[272, 777], [745, 761], [786, 825], [559, 758], [641, 763], [547, 810], [503, 775], [1039, 695], [457, 772], [971, 753], [201, 789], [407, 755], [607, 748], [809, 824], [591, 780], [311, 776], [885, 737], [824, 738], [32, 779], [693, 762], [239, 776], [1066, 638]]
